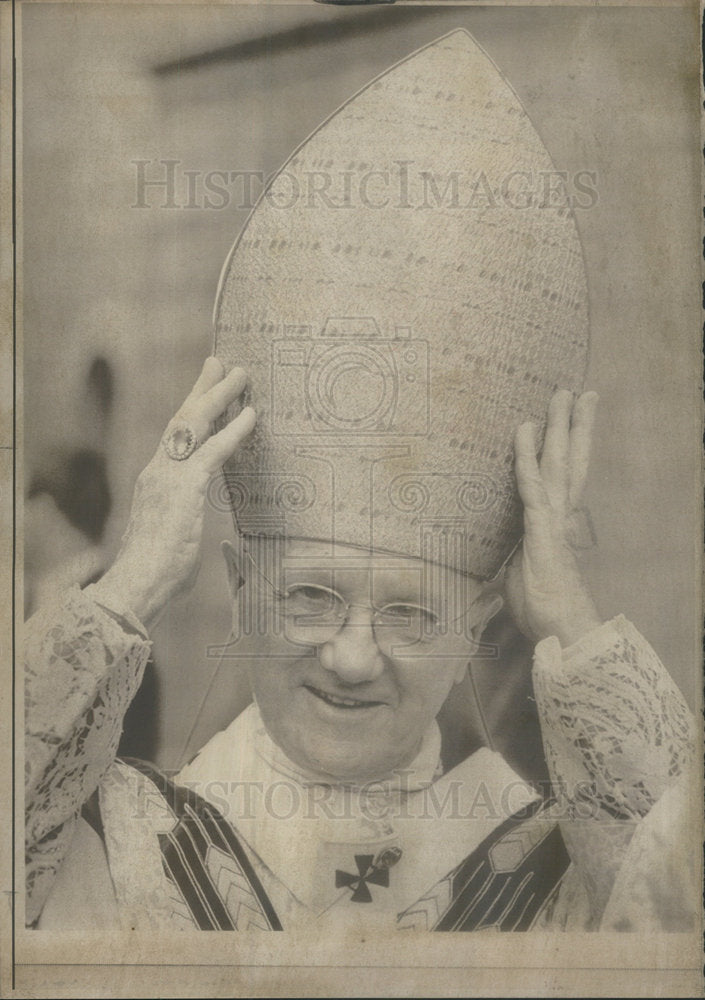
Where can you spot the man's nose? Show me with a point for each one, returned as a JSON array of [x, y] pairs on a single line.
[[352, 653]]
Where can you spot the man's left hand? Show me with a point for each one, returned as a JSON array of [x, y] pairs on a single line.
[[545, 588]]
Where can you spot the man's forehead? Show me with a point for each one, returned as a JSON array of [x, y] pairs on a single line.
[[324, 555], [327, 552]]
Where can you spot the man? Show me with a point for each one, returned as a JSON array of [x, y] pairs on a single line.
[[400, 357]]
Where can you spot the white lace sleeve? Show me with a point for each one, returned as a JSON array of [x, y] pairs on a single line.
[[83, 665], [617, 734]]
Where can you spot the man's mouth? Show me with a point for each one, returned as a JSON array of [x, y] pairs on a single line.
[[338, 702]]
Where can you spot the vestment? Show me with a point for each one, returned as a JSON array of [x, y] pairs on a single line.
[[455, 852]]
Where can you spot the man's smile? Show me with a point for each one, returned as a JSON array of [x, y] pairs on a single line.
[[339, 701]]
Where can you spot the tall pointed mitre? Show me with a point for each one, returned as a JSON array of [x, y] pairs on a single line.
[[409, 288]]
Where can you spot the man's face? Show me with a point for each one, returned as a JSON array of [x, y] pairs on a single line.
[[351, 696]]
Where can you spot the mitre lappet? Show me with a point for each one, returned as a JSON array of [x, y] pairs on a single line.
[[400, 311]]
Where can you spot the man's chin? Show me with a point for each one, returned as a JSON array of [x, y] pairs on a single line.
[[346, 764]]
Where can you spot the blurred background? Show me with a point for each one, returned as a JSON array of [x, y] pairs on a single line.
[[119, 277]]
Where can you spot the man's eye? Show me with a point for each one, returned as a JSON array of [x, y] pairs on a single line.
[[411, 616], [305, 599]]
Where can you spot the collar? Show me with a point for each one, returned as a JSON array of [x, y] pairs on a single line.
[[304, 828]]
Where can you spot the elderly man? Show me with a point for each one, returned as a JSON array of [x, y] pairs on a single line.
[[401, 366]]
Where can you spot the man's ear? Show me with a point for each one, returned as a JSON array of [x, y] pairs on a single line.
[[234, 564], [485, 608], [482, 611]]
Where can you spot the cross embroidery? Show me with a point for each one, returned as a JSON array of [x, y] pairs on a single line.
[[367, 872]]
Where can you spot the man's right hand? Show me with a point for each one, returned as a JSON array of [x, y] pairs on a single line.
[[160, 553]]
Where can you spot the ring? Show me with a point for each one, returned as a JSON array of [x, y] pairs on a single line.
[[180, 441]]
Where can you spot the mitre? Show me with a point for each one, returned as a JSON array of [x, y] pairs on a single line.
[[406, 292]]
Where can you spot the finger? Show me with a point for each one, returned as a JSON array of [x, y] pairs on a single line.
[[538, 512], [216, 400], [529, 481], [199, 413], [211, 373], [581, 432], [218, 448], [556, 446]]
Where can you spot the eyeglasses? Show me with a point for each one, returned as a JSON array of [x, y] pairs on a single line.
[[314, 614], [310, 614]]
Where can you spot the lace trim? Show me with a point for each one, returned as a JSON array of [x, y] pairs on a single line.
[[81, 672], [616, 728], [617, 733]]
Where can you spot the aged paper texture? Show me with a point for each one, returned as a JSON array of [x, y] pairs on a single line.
[[432, 217]]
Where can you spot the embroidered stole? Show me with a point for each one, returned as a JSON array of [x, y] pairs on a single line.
[[506, 883]]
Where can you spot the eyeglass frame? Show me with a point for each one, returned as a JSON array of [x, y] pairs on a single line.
[[487, 650]]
